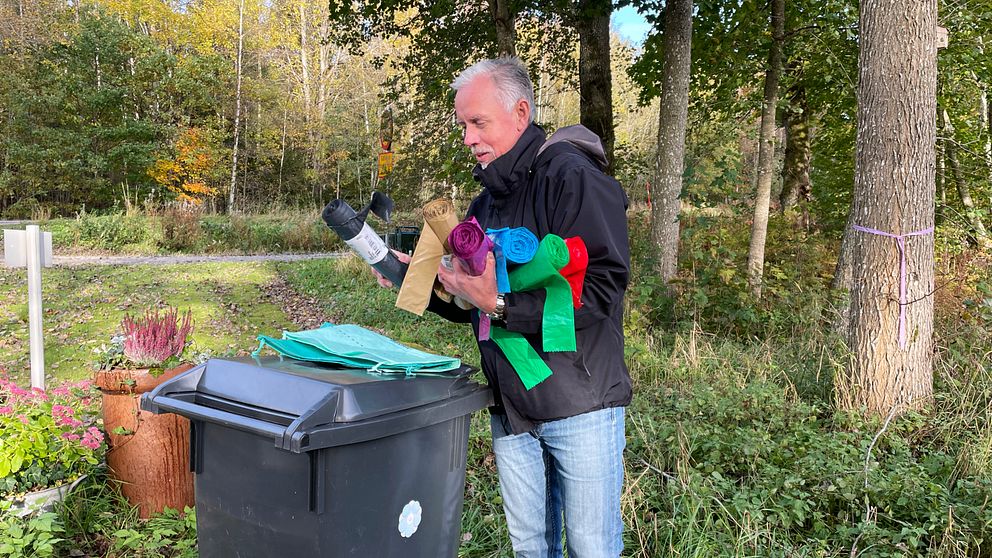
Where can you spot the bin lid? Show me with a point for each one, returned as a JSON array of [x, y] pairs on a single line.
[[293, 399]]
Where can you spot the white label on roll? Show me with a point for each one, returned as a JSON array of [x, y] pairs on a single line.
[[368, 245]]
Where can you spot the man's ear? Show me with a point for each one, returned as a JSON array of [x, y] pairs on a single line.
[[521, 114]]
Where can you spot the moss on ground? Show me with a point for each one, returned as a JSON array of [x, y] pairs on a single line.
[[84, 307]]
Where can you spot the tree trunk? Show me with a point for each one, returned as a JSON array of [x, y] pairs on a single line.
[[985, 122], [505, 23], [795, 175], [670, 161], [983, 101], [951, 148], [282, 143], [843, 273], [891, 367], [766, 152], [305, 62], [237, 108], [539, 100], [941, 178], [595, 77]]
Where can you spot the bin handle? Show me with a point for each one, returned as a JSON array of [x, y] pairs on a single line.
[[231, 420]]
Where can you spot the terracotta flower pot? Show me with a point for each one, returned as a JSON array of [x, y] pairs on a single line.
[[148, 453]]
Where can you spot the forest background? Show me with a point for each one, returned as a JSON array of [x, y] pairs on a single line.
[[247, 105], [739, 440]]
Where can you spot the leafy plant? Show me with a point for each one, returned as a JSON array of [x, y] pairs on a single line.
[[46, 438], [37, 536], [165, 535]]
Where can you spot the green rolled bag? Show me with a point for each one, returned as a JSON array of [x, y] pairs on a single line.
[[558, 324]]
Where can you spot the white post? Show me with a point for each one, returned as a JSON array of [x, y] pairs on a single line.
[[34, 256]]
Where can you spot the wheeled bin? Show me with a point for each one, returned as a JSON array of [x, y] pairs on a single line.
[[296, 459], [403, 239]]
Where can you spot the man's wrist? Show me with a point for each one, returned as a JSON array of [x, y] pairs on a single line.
[[499, 309]]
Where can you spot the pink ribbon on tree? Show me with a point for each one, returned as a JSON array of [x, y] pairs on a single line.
[[901, 243]]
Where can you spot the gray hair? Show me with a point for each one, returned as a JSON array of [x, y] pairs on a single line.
[[510, 77]]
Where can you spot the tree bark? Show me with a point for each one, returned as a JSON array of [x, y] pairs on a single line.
[[237, 108], [843, 273], [595, 75], [941, 178], [795, 175], [766, 152], [505, 23], [305, 62], [983, 114], [672, 115], [986, 123], [893, 193]]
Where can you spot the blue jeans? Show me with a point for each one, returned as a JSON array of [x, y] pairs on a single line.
[[569, 469]]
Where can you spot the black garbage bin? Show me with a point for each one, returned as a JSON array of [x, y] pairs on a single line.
[[403, 239], [295, 459]]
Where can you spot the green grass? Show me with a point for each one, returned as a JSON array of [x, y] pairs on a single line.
[[83, 308], [181, 232]]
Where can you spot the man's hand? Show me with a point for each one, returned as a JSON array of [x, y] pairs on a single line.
[[383, 282], [479, 291]]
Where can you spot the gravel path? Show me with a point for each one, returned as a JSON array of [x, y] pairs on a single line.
[[79, 261]]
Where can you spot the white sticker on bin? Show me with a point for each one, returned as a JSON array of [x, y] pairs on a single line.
[[368, 245], [410, 518]]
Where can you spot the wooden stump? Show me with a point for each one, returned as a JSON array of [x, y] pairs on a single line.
[[148, 453]]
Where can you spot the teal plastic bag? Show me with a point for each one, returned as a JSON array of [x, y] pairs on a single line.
[[356, 347]]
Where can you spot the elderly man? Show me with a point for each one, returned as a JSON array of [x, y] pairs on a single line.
[[559, 445]]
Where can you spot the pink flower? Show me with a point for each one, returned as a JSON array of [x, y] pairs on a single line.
[[92, 438], [22, 418], [63, 415], [70, 436], [7, 410]]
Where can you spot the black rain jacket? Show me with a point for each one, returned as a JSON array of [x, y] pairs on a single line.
[[558, 187]]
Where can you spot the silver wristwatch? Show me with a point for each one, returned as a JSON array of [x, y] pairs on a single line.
[[499, 311]]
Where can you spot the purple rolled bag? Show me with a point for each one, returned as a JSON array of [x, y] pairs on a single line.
[[470, 244]]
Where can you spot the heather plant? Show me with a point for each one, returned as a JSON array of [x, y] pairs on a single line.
[[47, 438], [157, 338]]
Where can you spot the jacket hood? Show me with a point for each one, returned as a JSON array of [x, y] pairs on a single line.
[[581, 138]]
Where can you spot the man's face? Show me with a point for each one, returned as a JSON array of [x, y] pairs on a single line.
[[490, 130]]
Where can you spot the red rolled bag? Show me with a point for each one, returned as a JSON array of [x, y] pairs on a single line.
[[575, 270]]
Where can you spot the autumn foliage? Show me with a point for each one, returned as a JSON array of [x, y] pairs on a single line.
[[188, 169]]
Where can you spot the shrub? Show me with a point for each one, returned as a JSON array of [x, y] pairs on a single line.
[[48, 438], [181, 231], [154, 338], [794, 478], [112, 231]]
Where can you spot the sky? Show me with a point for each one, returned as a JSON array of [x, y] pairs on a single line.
[[631, 25]]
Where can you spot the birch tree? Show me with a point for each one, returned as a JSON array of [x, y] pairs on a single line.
[[237, 107], [766, 151], [672, 115]]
